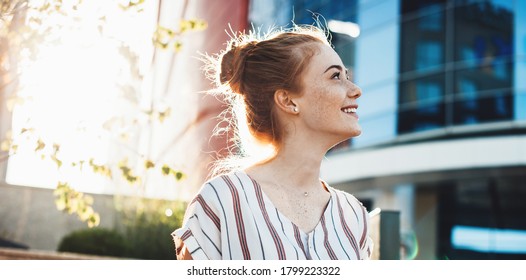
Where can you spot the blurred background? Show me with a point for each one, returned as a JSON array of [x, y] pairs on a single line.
[[107, 132]]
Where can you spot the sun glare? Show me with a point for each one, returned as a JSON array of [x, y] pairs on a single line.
[[68, 91], [255, 150]]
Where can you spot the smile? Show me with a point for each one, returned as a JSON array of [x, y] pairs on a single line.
[[349, 110]]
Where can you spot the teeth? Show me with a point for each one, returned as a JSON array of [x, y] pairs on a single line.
[[349, 110]]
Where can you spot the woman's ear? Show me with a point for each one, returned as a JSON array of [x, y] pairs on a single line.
[[284, 102]]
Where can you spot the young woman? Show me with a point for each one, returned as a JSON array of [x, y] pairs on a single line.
[[297, 99]]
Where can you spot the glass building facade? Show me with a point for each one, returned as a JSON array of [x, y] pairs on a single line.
[[456, 64], [435, 74], [439, 66]]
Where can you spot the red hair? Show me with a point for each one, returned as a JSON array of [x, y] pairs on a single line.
[[251, 69]]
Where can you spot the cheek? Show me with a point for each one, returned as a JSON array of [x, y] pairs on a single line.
[[326, 106]]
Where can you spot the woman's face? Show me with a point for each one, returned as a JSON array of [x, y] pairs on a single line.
[[327, 104]]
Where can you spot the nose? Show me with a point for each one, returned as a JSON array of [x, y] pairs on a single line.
[[354, 91]]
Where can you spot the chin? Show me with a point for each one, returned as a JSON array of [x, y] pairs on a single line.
[[356, 132], [349, 133], [353, 134]]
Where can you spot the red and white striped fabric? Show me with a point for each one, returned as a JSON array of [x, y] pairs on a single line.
[[232, 219]]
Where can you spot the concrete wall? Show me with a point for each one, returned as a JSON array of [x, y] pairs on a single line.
[[29, 216]]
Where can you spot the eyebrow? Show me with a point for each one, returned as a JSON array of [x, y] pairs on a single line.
[[337, 67]]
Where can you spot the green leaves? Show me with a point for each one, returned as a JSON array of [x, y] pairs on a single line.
[[100, 169], [132, 4], [72, 202], [160, 115], [167, 38], [167, 170], [127, 172], [40, 145], [149, 164], [67, 199], [54, 158], [186, 25]]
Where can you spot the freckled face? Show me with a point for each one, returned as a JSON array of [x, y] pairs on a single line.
[[327, 102]]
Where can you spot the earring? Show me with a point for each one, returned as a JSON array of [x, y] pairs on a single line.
[[295, 109]]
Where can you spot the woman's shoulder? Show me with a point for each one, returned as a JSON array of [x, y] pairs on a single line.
[[224, 182], [221, 191], [234, 177], [350, 205], [346, 198]]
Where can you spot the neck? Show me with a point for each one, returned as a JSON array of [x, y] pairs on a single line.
[[298, 165]]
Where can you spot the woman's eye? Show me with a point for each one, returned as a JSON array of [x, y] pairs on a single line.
[[336, 75]]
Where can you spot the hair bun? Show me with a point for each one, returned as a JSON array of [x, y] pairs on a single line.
[[227, 64], [233, 63]]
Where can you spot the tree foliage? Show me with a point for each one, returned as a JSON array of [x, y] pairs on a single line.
[[26, 27]]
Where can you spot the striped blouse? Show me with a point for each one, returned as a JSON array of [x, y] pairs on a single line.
[[232, 219]]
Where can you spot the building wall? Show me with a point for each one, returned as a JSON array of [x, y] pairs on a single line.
[[180, 80], [520, 65], [376, 71], [29, 216]]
